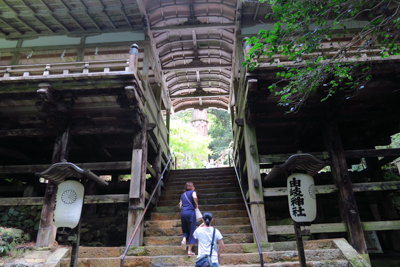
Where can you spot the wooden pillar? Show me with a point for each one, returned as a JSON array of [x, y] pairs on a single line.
[[347, 202], [156, 163], [16, 55], [381, 210], [146, 62], [255, 185], [115, 178], [81, 50], [167, 122], [47, 232], [137, 186]]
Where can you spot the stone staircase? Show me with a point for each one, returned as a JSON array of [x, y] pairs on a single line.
[[219, 193]]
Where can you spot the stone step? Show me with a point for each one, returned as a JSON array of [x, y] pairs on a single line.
[[174, 231], [202, 201], [175, 240], [201, 192], [225, 195], [236, 206], [216, 222], [215, 184], [199, 177], [158, 216], [213, 171], [242, 259], [201, 180], [106, 252]]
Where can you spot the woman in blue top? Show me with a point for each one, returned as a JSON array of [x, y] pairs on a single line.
[[188, 217]]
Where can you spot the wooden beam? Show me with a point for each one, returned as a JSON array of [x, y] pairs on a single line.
[[96, 166], [156, 55], [335, 227], [365, 153], [211, 26], [197, 67], [347, 203], [254, 182], [137, 186], [47, 231], [328, 189], [168, 121], [92, 199], [74, 131], [199, 95], [151, 170]]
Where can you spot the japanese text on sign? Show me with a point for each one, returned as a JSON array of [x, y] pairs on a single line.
[[296, 198]]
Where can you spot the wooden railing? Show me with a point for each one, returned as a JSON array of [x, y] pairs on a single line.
[[65, 69]]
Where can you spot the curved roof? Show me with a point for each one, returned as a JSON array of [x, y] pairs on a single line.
[[193, 42]]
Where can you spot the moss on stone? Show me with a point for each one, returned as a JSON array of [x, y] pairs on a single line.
[[250, 248], [136, 251]]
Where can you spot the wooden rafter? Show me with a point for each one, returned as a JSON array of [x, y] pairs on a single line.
[[124, 13], [183, 51], [256, 12], [15, 29], [90, 17], [70, 15], [207, 95], [54, 17], [36, 17], [107, 16], [18, 16], [222, 40], [27, 25], [166, 98], [182, 19], [210, 26], [197, 67], [185, 5]]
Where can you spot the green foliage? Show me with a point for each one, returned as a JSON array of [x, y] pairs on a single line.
[[302, 33], [185, 116], [391, 177], [220, 130], [189, 148]]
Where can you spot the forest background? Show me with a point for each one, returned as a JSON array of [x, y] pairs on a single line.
[[192, 150]]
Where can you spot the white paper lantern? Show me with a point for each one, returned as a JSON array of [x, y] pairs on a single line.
[[68, 206], [301, 197]]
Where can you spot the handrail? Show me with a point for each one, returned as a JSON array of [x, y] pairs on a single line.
[[144, 211], [248, 213]]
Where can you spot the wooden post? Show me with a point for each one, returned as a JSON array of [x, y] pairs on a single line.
[[255, 185], [133, 58], [81, 50], [167, 122], [347, 203], [16, 55], [157, 168], [300, 244], [146, 64], [383, 211], [137, 186], [47, 232]]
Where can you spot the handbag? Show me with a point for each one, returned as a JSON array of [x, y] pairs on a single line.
[[199, 216], [205, 260], [180, 204]]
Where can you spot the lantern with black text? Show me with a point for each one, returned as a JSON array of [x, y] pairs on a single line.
[[68, 206], [301, 197]]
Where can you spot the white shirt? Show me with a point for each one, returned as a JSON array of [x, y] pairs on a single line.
[[204, 235]]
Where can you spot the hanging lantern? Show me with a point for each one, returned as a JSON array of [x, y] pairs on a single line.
[[68, 206], [301, 197]]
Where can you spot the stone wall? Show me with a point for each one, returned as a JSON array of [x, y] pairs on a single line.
[[103, 226], [26, 218]]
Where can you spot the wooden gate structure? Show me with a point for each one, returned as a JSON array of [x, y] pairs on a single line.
[[72, 86]]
